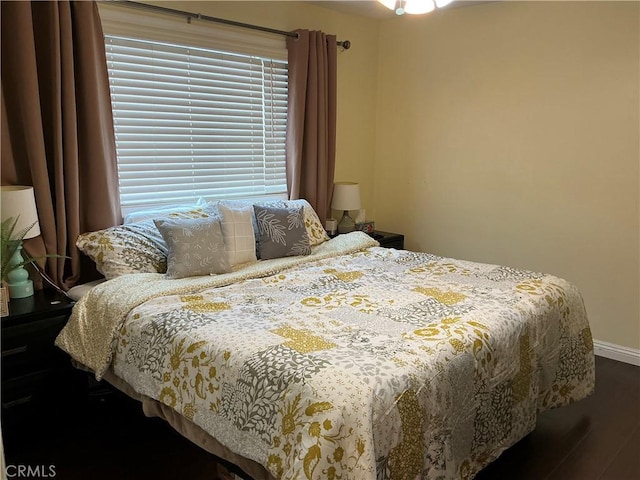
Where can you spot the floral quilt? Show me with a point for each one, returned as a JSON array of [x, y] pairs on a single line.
[[374, 364]]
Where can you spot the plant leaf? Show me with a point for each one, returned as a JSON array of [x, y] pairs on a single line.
[[10, 242]]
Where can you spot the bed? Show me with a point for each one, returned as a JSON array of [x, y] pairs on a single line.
[[353, 361]]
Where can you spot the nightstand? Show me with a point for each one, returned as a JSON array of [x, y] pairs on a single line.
[[38, 380], [389, 240]]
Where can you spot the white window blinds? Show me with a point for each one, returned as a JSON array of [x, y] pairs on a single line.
[[195, 122]]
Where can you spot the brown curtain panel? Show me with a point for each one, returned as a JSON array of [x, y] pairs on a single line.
[[57, 126], [311, 120]]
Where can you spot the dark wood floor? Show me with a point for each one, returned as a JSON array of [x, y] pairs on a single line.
[[595, 439]]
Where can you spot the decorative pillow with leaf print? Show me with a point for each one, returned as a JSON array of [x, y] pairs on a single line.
[[282, 232], [196, 247], [315, 228]]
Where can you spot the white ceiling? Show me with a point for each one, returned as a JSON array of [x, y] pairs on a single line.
[[374, 9]]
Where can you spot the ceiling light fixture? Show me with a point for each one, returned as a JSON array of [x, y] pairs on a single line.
[[414, 7]]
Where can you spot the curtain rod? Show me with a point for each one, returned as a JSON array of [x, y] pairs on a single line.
[[346, 44]]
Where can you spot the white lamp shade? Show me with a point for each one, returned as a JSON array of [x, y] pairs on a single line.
[[346, 196], [19, 202]]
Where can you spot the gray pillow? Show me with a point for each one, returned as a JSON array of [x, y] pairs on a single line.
[[282, 232], [195, 246]]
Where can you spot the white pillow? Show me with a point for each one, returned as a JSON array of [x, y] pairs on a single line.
[[153, 213], [78, 291], [237, 230]]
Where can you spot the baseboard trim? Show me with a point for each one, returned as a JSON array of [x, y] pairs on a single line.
[[617, 352]]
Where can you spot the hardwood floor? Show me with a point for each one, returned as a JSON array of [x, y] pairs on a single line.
[[595, 439]]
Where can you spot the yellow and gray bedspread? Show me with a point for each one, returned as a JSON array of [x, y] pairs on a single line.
[[357, 362]]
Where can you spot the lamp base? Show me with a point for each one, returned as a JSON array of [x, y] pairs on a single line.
[[21, 290], [346, 223], [20, 286]]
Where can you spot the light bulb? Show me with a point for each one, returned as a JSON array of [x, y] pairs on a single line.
[[416, 7]]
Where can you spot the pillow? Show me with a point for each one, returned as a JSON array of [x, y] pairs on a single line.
[[78, 291], [212, 208], [282, 232], [195, 246], [159, 212], [237, 231], [315, 228], [133, 248]]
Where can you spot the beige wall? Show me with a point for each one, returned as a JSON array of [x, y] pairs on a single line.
[[503, 132], [508, 133], [357, 67]]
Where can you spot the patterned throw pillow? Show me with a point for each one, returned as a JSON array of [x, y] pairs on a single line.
[[315, 228], [237, 231], [195, 246], [133, 248], [282, 232]]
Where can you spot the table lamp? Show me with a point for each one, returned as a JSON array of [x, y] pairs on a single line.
[[346, 196], [18, 202]]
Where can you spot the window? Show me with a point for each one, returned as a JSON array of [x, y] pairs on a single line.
[[194, 122]]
